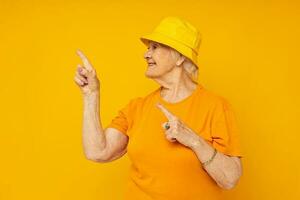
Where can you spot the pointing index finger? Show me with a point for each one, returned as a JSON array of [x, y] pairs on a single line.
[[166, 112], [85, 61]]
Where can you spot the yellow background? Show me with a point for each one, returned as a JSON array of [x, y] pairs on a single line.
[[248, 54]]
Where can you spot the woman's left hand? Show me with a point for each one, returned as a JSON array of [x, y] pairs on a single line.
[[176, 130]]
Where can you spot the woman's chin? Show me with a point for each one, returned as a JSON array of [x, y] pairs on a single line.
[[150, 74]]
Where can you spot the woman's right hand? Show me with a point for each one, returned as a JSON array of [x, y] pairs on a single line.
[[86, 76]]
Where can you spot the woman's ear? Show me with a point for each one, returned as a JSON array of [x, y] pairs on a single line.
[[180, 60]]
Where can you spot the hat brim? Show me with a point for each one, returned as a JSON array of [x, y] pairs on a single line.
[[181, 48]]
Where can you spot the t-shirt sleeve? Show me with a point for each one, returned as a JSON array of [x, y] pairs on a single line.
[[224, 129], [124, 117]]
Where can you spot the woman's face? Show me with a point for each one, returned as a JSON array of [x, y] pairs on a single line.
[[159, 59]]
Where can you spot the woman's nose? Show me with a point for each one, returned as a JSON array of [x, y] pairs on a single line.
[[147, 54]]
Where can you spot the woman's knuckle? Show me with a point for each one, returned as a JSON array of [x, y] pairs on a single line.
[[79, 81], [78, 78], [83, 72], [82, 78]]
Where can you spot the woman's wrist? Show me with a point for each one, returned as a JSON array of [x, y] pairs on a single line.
[[205, 152], [91, 96], [211, 158]]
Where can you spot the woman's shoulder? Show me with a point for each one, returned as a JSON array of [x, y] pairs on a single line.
[[213, 98], [143, 98]]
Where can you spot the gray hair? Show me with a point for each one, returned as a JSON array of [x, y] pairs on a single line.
[[189, 67]]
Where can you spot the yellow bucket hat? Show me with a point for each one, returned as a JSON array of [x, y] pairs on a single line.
[[178, 34]]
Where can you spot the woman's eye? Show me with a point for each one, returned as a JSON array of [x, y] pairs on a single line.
[[153, 47]]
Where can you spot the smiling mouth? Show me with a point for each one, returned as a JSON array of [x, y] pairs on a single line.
[[151, 64]]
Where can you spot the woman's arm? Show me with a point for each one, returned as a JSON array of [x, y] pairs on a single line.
[[94, 141], [99, 145], [225, 170]]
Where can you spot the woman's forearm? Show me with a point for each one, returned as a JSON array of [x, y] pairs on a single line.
[[94, 141], [223, 169]]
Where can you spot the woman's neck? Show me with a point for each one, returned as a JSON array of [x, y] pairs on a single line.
[[174, 92]]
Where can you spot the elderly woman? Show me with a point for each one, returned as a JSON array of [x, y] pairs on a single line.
[[182, 139]]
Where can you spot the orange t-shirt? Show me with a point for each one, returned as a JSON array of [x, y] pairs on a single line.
[[163, 170]]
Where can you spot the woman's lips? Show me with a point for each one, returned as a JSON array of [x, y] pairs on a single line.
[[151, 64]]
